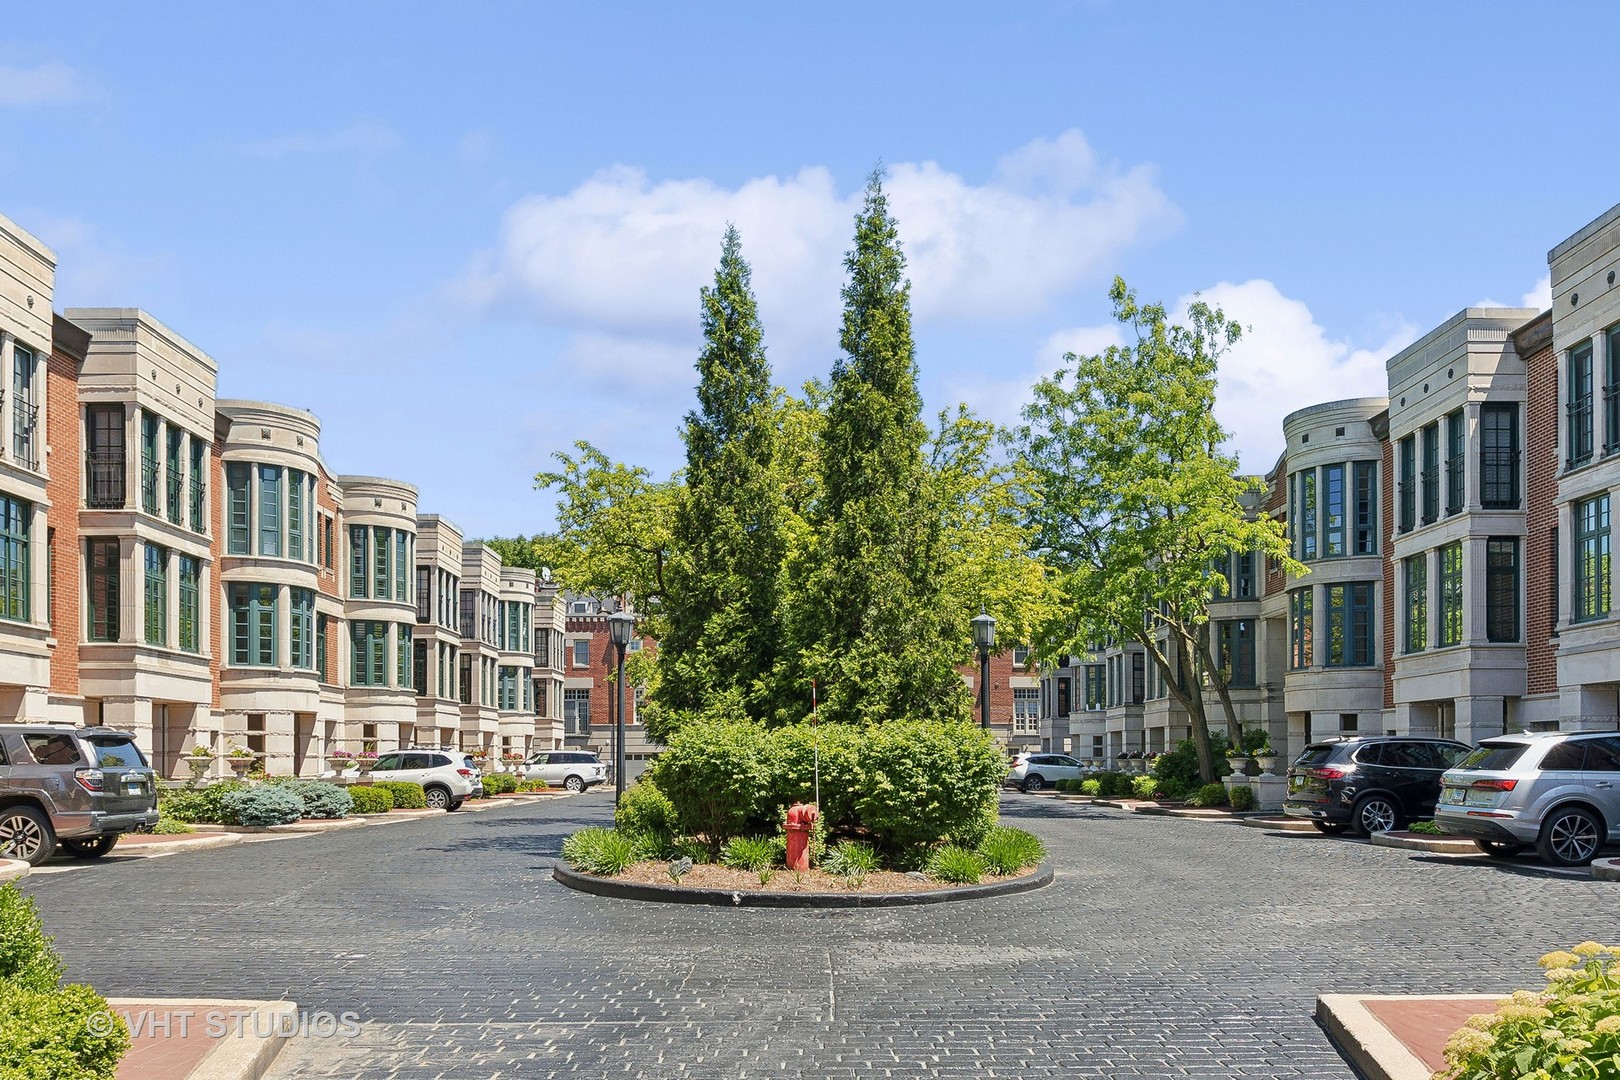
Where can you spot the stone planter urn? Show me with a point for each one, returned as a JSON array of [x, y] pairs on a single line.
[[1238, 763], [240, 764], [199, 767], [340, 764], [366, 764], [1267, 762]]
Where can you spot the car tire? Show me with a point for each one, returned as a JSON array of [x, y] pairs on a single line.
[[1499, 849], [1035, 782], [1331, 828], [455, 804], [89, 849], [437, 798], [574, 783], [1571, 836], [1375, 814], [25, 834]]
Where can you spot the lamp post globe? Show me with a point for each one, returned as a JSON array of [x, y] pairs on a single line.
[[984, 636], [621, 626]]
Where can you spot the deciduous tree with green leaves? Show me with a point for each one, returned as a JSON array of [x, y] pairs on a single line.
[[1137, 498]]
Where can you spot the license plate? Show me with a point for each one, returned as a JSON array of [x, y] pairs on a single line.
[[1454, 795]]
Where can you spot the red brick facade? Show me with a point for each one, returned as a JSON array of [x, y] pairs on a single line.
[[1534, 343], [604, 661], [64, 435]]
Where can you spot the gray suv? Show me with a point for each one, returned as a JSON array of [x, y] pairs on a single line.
[[1557, 790], [81, 787]]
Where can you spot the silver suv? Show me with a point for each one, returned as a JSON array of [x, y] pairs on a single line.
[[80, 786], [1557, 790]]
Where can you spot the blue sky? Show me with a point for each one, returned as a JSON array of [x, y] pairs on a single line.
[[467, 235]]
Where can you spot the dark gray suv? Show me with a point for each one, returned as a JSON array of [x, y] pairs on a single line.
[[82, 787], [1369, 784]]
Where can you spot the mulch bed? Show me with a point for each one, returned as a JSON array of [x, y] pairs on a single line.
[[725, 879]]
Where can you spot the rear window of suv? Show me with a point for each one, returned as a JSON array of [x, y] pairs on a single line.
[[117, 754], [1493, 757], [1315, 755]]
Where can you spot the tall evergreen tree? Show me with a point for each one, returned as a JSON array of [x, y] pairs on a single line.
[[723, 630], [866, 619]]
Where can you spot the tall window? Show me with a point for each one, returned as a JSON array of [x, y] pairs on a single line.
[[359, 580], [1502, 589], [1235, 640], [582, 652], [1578, 405], [1407, 516], [466, 679], [402, 653], [424, 593], [295, 514], [1332, 510], [196, 478], [469, 614], [514, 627], [402, 564], [149, 462], [419, 667], [1299, 628], [508, 689], [368, 640], [381, 546], [24, 412], [1026, 708], [1096, 688], [321, 671], [1592, 558], [104, 457], [239, 506], [1243, 580], [577, 711], [1349, 624], [1431, 473], [301, 632], [190, 606], [1451, 594], [1307, 514], [1366, 496], [1454, 462], [270, 510], [157, 595], [1611, 392], [1417, 603], [16, 515], [101, 573], [1138, 677], [1499, 457], [253, 625], [174, 485]]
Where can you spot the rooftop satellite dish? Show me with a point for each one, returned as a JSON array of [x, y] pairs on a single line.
[[545, 574]]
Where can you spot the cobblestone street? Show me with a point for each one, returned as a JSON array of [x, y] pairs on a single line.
[[1165, 948]]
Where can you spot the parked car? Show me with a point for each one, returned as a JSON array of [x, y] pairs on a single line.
[[1558, 791], [78, 787], [576, 770], [477, 776], [1032, 772], [445, 781], [1369, 784]]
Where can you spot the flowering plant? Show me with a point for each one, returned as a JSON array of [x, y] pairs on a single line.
[[341, 754], [239, 752], [201, 751], [511, 757], [1570, 1029], [366, 755]]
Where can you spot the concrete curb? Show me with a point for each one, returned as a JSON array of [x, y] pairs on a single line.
[[1367, 1044], [204, 841], [674, 894], [244, 1056], [1606, 869], [1289, 826], [1437, 844], [313, 825], [394, 815], [13, 870]]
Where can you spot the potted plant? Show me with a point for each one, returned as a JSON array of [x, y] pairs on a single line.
[[240, 759], [199, 760], [340, 760], [366, 760], [1266, 758]]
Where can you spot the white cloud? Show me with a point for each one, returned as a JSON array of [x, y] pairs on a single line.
[[362, 138], [1540, 294], [623, 256], [1003, 398], [50, 83]]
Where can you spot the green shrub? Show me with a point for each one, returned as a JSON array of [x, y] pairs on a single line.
[[370, 799], [791, 762], [1425, 828], [167, 826], [532, 785], [1242, 797], [690, 847], [715, 775], [646, 811], [1181, 764], [749, 852], [26, 957], [321, 800], [56, 1034], [1114, 785], [923, 781], [499, 784], [1091, 787], [956, 865], [1570, 1029], [1173, 789], [266, 804], [406, 795], [1210, 795], [199, 804], [605, 852], [851, 860], [1007, 851], [1144, 787]]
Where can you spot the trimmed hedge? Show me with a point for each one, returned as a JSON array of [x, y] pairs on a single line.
[[407, 796], [198, 804], [266, 804], [370, 799], [646, 811], [923, 781], [499, 784], [321, 800], [717, 776]]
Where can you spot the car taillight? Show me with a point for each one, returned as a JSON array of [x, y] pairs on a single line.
[[1495, 785], [1328, 772], [89, 779], [465, 772]]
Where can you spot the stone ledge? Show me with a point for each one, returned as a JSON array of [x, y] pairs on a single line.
[[1375, 1051], [1288, 825], [204, 840], [1439, 845], [1606, 869], [230, 1056], [13, 870], [675, 894]]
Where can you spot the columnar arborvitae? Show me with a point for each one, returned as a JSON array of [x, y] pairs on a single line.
[[724, 632], [865, 613]]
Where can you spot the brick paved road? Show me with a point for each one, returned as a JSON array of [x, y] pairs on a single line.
[[1165, 948]]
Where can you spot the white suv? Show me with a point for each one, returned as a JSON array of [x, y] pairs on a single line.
[[1033, 772], [575, 770], [445, 781]]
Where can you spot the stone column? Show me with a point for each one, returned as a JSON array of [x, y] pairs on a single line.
[[1479, 718], [131, 714], [1416, 719]]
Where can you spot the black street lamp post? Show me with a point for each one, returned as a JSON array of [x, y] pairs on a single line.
[[984, 636], [621, 624]]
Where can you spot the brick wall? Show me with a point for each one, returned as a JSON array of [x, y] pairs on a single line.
[[1276, 506], [329, 578], [63, 434], [604, 662], [1540, 440]]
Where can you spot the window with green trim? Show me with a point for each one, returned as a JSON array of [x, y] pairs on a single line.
[[101, 573], [16, 518], [238, 507], [359, 579], [1333, 510], [198, 482], [368, 641], [253, 625], [1407, 487], [1417, 603], [270, 510], [1499, 457], [1349, 624], [190, 601], [379, 563], [1502, 588], [1235, 655], [1299, 628], [295, 515], [24, 409], [301, 628], [321, 670], [1454, 462], [175, 481], [402, 654], [1431, 473], [1451, 594], [419, 668], [1592, 558], [508, 689], [1578, 406], [1307, 515], [1366, 496], [157, 595], [402, 565], [149, 462]]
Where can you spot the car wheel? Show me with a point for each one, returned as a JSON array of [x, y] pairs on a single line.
[[25, 834], [1499, 849], [89, 849], [574, 783], [1570, 837], [437, 798], [1332, 828], [1034, 783], [455, 804], [1375, 814]]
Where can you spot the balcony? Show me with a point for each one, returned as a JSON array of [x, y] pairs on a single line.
[[104, 479]]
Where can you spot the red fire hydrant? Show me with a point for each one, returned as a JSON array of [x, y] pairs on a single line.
[[801, 817]]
